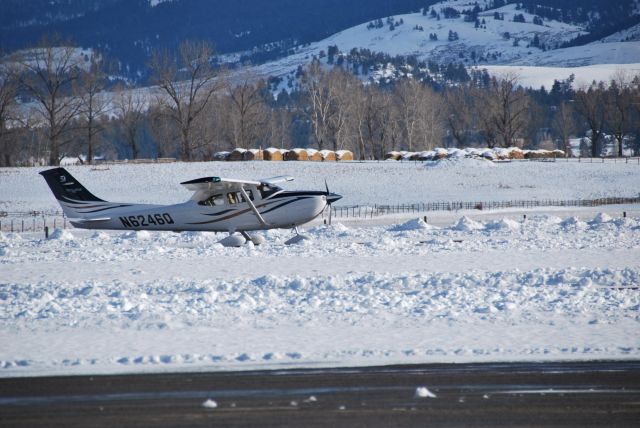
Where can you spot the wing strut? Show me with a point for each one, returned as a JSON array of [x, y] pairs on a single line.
[[253, 208]]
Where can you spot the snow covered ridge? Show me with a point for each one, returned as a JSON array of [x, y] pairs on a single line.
[[491, 42], [547, 288]]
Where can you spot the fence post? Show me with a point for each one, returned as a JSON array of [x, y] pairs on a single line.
[[46, 232]]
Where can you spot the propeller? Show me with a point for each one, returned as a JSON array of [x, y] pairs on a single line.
[[331, 198]]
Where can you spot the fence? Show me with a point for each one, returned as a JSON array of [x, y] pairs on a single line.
[[34, 221], [365, 211]]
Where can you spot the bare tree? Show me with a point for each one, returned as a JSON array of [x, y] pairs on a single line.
[[408, 104], [459, 115], [49, 71], [320, 98], [618, 108], [341, 86], [8, 113], [130, 105], [248, 111], [277, 134], [503, 110], [164, 133], [368, 107], [93, 103], [564, 125], [187, 83], [590, 104], [432, 115]]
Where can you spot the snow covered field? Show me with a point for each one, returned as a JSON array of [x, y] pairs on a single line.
[[493, 288], [390, 182]]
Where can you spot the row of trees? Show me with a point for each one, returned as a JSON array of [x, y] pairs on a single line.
[[55, 102]]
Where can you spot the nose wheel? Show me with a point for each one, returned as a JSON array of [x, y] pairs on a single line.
[[298, 238]]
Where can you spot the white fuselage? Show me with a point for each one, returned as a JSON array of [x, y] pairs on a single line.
[[280, 210]]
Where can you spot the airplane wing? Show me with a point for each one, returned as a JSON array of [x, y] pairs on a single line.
[[275, 180], [216, 183], [224, 184]]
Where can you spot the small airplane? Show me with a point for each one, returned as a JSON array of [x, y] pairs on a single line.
[[217, 205]]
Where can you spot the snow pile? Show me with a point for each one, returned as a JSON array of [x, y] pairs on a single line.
[[62, 234], [503, 224], [209, 404], [423, 392], [601, 218], [467, 225], [415, 224], [573, 223]]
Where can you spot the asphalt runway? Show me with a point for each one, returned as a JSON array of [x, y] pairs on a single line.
[[576, 394]]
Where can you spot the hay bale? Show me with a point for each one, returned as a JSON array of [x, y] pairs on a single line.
[[314, 155], [426, 155], [392, 156], [272, 154], [221, 156], [297, 155], [558, 153], [516, 153], [440, 153], [252, 154], [328, 155], [344, 155], [538, 154], [236, 155]]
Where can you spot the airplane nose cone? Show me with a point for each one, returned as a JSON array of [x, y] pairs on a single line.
[[332, 197]]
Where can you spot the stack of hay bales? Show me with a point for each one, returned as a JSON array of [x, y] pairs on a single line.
[[440, 153], [314, 155], [297, 155], [392, 156], [273, 154], [516, 153], [221, 156], [236, 155], [427, 155], [456, 153], [344, 155], [252, 154], [538, 154], [328, 155]]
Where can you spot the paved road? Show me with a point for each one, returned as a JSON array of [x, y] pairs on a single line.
[[521, 394]]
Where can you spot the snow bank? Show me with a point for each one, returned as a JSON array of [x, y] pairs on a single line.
[[466, 224], [460, 163], [415, 224], [61, 234]]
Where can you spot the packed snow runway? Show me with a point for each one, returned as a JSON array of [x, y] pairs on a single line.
[[469, 289]]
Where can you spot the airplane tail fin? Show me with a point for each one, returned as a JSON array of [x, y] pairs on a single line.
[[76, 201]]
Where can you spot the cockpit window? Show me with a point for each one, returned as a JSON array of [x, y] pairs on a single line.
[[238, 197], [212, 201], [266, 190]]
